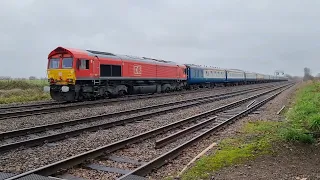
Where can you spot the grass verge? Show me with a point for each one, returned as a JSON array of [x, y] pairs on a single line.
[[256, 138], [14, 91], [304, 117]]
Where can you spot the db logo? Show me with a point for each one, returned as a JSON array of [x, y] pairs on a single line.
[[137, 69]]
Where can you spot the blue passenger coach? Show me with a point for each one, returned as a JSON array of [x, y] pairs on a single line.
[[235, 76], [251, 77], [208, 76]]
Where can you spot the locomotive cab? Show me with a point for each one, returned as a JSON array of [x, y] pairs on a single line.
[[61, 71], [61, 75]]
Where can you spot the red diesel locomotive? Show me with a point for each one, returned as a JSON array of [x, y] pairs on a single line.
[[76, 74]]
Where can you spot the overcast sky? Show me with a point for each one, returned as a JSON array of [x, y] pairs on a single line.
[[253, 35]]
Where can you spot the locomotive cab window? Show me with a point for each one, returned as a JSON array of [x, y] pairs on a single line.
[[67, 63], [83, 64], [54, 63]]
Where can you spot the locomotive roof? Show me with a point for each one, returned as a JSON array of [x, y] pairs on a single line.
[[111, 55]]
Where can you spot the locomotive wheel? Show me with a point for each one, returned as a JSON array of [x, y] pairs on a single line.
[[122, 93], [167, 90]]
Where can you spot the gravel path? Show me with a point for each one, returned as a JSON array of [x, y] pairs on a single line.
[[30, 121], [269, 112], [30, 159]]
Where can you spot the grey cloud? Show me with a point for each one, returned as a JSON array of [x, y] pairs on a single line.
[[260, 36]]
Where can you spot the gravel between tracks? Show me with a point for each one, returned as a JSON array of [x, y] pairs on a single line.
[[48, 101], [93, 174], [27, 159], [83, 125], [143, 151], [268, 111], [30, 121]]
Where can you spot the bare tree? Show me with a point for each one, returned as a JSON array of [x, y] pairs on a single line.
[[307, 74]]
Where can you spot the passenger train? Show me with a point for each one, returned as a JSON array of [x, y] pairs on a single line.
[[76, 74]]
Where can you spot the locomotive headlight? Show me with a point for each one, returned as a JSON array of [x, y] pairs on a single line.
[[46, 88], [65, 89], [69, 80]]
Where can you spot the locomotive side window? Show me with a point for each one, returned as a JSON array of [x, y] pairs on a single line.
[[110, 70], [54, 63], [67, 63], [83, 64], [116, 71]]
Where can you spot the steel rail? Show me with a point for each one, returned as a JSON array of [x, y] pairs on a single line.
[[11, 107], [163, 159], [42, 128], [166, 140], [56, 137], [80, 158]]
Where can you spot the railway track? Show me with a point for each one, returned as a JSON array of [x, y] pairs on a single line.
[[220, 120], [204, 124], [22, 106], [51, 107], [163, 108]]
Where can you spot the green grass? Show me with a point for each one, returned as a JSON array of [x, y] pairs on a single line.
[[22, 84], [304, 116], [13, 91], [256, 138]]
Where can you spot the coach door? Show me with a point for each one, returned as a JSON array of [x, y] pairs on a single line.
[[96, 67]]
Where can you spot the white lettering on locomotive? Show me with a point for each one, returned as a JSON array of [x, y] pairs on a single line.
[[137, 69]]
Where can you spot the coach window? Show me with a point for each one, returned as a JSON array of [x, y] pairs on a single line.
[[67, 63], [83, 64]]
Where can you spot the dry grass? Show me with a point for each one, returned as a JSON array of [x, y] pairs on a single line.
[[16, 91]]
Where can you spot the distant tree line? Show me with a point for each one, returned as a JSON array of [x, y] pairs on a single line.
[[293, 78]]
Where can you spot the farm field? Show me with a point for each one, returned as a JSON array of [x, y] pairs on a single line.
[[19, 91]]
